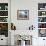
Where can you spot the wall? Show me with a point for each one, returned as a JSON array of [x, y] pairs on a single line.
[[24, 4], [32, 6]]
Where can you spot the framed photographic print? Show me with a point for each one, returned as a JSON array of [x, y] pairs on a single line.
[[22, 14]]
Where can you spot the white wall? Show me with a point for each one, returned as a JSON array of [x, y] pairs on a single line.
[[21, 5], [32, 6]]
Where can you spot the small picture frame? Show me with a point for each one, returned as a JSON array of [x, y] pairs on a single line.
[[22, 14]]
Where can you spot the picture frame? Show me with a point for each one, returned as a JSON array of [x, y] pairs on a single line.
[[22, 14]]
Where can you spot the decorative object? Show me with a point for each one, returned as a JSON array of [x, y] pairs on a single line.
[[42, 32], [3, 13], [4, 29], [41, 25], [0, 7], [22, 14], [22, 43], [6, 7], [42, 19], [3, 19], [13, 27], [43, 13], [4, 26], [23, 40], [41, 6], [31, 27], [3, 6]]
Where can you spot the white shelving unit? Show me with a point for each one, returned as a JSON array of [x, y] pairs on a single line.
[[42, 19], [4, 18], [6, 40], [41, 28], [41, 16], [3, 10], [41, 10], [41, 22], [4, 23]]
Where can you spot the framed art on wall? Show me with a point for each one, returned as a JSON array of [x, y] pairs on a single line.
[[22, 14]]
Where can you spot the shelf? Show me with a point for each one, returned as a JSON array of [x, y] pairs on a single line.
[[41, 28], [3, 16], [41, 22], [3, 10], [42, 19], [42, 16], [3, 22], [41, 10]]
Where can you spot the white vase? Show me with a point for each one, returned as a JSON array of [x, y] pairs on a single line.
[[22, 43]]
